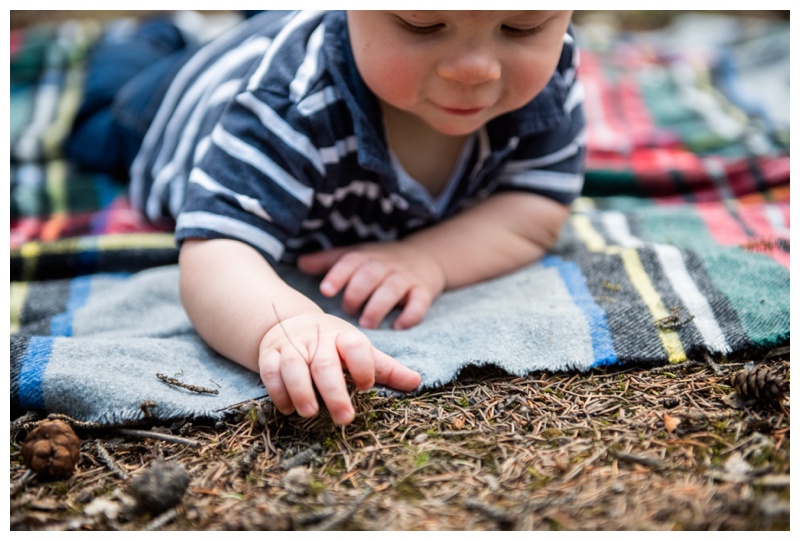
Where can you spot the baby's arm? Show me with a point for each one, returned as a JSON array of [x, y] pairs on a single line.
[[499, 235], [242, 309]]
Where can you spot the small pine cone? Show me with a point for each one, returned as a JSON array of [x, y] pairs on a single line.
[[160, 487], [51, 449], [762, 385]]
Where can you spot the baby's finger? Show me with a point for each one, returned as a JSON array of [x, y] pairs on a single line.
[[326, 369], [391, 373], [319, 262], [356, 352], [339, 274], [393, 290], [362, 284], [297, 380], [416, 306], [270, 372]]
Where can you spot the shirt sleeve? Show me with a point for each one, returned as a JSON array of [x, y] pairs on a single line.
[[551, 162], [254, 176]]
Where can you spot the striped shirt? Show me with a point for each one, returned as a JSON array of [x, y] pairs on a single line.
[[268, 135]]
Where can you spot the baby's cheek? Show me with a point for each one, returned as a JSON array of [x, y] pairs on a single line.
[[395, 82], [527, 82]]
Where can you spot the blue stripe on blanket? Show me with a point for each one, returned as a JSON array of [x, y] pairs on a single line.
[[602, 342], [31, 375], [79, 288]]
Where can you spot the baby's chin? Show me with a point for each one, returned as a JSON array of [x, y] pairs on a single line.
[[457, 129], [462, 126]]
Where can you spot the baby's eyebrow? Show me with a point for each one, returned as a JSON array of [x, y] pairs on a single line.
[[418, 12], [531, 17]]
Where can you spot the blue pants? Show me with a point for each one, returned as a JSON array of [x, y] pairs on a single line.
[[127, 77]]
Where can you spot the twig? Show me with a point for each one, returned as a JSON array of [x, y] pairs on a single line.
[[248, 459], [302, 458], [25, 419], [673, 320], [188, 386], [109, 461], [776, 351], [448, 433], [717, 370], [496, 514], [347, 512], [26, 478], [650, 462], [288, 337], [147, 408], [580, 467], [157, 436], [161, 520], [671, 367], [74, 423], [234, 407]]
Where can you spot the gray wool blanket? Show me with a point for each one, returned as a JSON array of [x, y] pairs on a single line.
[[613, 293]]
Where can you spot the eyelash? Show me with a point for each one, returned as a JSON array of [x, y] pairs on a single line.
[[519, 32], [508, 30], [422, 30]]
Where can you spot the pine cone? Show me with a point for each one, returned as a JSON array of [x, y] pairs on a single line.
[[762, 385], [51, 449], [160, 487]]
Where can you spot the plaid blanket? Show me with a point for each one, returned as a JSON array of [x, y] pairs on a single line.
[[679, 247]]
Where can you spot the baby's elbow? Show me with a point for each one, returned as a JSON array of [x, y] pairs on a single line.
[[550, 222]]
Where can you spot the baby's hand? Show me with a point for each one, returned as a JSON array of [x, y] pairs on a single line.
[[310, 350], [379, 277]]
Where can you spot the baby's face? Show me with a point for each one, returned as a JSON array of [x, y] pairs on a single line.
[[457, 70]]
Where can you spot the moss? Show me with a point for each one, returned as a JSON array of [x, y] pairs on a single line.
[[538, 480], [422, 459], [330, 444], [406, 489], [252, 478], [60, 488]]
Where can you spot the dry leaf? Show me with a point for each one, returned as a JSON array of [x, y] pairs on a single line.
[[670, 422]]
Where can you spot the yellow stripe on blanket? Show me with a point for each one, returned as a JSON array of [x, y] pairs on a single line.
[[134, 240], [19, 292], [641, 281], [30, 252], [117, 241], [53, 139], [591, 238], [30, 259]]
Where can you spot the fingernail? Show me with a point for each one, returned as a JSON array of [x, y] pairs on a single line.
[[346, 418], [327, 289], [307, 410]]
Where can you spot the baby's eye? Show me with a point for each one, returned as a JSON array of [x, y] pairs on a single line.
[[420, 29], [515, 32]]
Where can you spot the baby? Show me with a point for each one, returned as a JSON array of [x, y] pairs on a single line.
[[398, 154]]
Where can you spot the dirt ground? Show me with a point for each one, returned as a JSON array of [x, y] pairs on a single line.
[[668, 448]]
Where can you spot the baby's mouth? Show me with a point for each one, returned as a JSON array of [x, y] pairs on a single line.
[[462, 111]]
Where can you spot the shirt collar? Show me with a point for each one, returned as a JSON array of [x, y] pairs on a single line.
[[542, 113], [360, 100]]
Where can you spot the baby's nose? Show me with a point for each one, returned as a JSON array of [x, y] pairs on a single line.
[[470, 67]]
